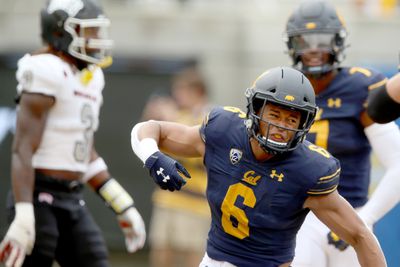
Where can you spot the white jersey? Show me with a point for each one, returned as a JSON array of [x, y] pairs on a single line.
[[68, 135]]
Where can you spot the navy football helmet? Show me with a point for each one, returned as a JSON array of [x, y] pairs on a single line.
[[78, 28], [285, 87], [315, 27]]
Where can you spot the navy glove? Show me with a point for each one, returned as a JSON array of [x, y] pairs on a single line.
[[166, 171], [334, 239]]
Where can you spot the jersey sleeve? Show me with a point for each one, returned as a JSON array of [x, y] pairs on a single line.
[[376, 80], [207, 123], [219, 122], [37, 74], [328, 180]]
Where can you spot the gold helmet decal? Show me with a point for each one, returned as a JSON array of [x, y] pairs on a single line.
[[289, 98], [311, 25]]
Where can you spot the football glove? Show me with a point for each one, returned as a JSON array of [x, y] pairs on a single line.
[[130, 221], [20, 237], [132, 226], [166, 171], [334, 239]]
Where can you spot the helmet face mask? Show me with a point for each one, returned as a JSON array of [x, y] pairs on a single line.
[[77, 28], [315, 26], [89, 39], [280, 90], [301, 44], [273, 136], [314, 52]]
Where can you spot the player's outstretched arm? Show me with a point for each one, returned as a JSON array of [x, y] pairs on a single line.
[[178, 139], [336, 213], [119, 200]]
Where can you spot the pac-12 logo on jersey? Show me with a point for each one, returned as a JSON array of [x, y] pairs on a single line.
[[235, 155]]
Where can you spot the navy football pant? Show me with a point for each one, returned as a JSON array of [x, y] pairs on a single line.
[[65, 230]]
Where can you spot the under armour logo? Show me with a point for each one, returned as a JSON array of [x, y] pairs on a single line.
[[278, 176], [334, 103], [166, 178]]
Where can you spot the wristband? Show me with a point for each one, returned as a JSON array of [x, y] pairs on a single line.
[[24, 212], [115, 196], [145, 147], [94, 167]]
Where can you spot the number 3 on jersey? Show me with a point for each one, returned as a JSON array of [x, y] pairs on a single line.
[[81, 151], [234, 220]]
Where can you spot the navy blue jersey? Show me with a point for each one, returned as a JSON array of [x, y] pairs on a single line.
[[338, 129], [257, 207]]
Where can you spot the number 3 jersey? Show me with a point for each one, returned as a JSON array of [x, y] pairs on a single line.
[[257, 207], [68, 135]]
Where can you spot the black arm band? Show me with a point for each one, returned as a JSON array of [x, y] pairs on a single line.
[[381, 107]]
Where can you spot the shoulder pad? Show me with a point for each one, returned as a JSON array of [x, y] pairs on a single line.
[[39, 74]]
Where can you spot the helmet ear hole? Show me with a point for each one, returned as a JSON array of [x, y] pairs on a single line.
[[257, 104]]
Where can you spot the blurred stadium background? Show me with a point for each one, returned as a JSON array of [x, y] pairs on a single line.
[[231, 41]]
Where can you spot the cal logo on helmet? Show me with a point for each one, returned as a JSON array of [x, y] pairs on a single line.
[[289, 98], [311, 25]]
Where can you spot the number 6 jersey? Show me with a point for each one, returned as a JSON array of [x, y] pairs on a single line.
[[257, 207], [68, 135]]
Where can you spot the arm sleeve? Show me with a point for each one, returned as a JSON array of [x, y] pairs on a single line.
[[385, 141], [381, 107]]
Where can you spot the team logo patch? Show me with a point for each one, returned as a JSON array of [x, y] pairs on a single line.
[[276, 176], [289, 98], [250, 177], [334, 103], [44, 197], [235, 155]]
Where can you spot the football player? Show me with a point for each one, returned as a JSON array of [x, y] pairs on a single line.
[[53, 155], [316, 42], [263, 177]]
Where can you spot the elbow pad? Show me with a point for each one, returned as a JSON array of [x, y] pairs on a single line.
[[381, 107]]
